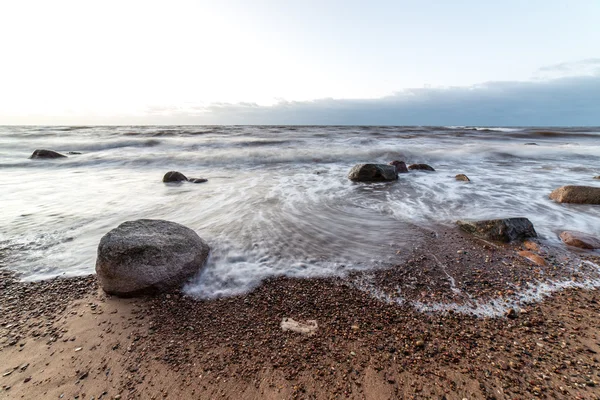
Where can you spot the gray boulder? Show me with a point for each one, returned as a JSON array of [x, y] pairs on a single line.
[[174, 176], [576, 194], [373, 173], [500, 230], [41, 153], [148, 256]]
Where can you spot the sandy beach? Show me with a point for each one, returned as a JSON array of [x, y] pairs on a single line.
[[65, 338]]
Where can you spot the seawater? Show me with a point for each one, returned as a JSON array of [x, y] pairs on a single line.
[[277, 200]]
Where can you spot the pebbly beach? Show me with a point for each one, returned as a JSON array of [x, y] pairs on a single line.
[[396, 271]]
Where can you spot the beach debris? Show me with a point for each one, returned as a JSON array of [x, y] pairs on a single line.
[[400, 166], [462, 177], [41, 153], [148, 256], [420, 167], [308, 328], [373, 173], [580, 239], [576, 194], [500, 230]]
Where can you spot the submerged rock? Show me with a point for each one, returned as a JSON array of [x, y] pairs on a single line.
[[580, 239], [500, 230], [576, 194], [462, 177], [197, 180], [400, 166], [373, 173], [174, 176], [148, 256], [421, 167], [41, 153]]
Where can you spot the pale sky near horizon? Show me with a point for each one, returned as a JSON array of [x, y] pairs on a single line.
[[66, 60]]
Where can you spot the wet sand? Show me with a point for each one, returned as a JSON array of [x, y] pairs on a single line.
[[65, 337]]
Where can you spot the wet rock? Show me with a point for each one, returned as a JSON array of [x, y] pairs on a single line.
[[148, 256], [197, 180], [74, 153], [534, 258], [420, 167], [580, 239], [462, 177], [46, 154], [500, 230], [373, 173], [576, 194], [597, 177], [531, 144], [400, 166], [174, 176]]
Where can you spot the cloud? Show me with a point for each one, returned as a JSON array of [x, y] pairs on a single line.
[[564, 101], [576, 66]]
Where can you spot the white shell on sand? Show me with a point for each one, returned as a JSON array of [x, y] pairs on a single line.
[[309, 327]]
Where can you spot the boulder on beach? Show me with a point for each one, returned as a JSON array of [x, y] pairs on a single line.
[[174, 176], [420, 167], [148, 256], [576, 194], [400, 166], [462, 177], [373, 173], [580, 239], [41, 153], [500, 230]]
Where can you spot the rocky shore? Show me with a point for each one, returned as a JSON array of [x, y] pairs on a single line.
[[377, 334]]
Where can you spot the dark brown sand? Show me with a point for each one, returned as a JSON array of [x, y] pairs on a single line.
[[64, 338]]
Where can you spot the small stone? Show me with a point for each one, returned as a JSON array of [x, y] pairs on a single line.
[[79, 349]]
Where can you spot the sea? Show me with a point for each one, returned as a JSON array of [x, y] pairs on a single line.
[[278, 200]]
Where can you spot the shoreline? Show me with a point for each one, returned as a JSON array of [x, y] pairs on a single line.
[[66, 337]]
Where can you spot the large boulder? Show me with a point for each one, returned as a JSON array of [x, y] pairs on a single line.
[[148, 256], [580, 239], [174, 176], [400, 166], [420, 167], [576, 194], [373, 173], [500, 230], [41, 153]]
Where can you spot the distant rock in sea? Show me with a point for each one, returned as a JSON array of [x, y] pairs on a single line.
[[197, 180], [400, 166], [420, 167], [48, 154], [500, 230], [174, 176], [576, 195], [462, 177], [148, 256], [373, 173], [580, 239]]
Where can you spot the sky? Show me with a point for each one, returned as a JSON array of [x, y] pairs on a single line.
[[395, 62]]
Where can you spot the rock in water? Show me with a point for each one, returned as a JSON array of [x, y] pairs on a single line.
[[400, 166], [500, 230], [197, 180], [576, 194], [373, 173], [462, 177], [148, 256], [580, 239], [174, 176], [41, 153], [421, 167]]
